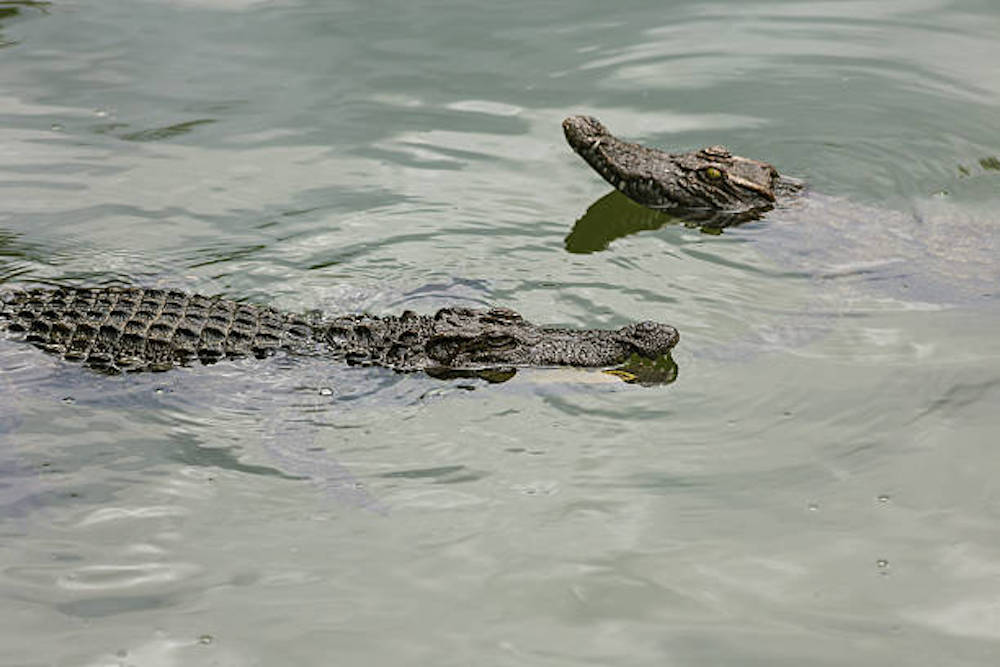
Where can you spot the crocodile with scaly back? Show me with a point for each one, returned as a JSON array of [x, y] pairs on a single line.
[[116, 329]]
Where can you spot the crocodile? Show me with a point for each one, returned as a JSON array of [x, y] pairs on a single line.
[[128, 329], [936, 253], [710, 185]]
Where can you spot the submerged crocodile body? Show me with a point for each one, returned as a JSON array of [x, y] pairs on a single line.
[[115, 329]]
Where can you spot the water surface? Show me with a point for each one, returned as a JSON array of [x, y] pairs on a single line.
[[816, 487]]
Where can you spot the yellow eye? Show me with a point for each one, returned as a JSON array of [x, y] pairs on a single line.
[[713, 173]]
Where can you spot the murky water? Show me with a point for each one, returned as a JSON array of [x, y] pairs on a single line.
[[817, 486]]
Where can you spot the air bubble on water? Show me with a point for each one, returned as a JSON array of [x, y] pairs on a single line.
[[813, 507], [57, 127], [206, 639], [69, 400], [883, 565], [884, 498]]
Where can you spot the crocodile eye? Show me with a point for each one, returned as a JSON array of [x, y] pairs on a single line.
[[500, 340], [713, 174]]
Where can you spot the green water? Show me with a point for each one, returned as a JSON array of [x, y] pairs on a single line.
[[817, 486]]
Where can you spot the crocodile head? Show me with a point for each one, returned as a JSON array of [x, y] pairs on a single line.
[[470, 339], [708, 179], [467, 339]]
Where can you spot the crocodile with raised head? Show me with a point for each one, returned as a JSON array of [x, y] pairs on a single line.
[[937, 252], [711, 181], [118, 329]]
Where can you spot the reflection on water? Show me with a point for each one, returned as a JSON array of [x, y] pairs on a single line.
[[647, 372], [491, 375], [636, 369], [614, 216]]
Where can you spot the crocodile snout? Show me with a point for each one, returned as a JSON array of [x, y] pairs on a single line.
[[583, 131], [650, 339]]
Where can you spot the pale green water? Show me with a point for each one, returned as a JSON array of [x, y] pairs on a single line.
[[818, 487]]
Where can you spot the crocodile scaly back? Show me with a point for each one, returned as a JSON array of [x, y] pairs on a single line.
[[116, 329]]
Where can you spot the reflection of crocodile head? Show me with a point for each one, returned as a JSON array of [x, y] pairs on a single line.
[[708, 179], [614, 216]]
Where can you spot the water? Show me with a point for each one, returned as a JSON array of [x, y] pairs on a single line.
[[816, 487]]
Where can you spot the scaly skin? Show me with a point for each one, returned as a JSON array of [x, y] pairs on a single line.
[[134, 329], [710, 179]]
